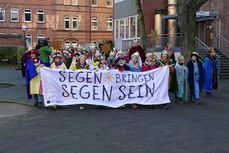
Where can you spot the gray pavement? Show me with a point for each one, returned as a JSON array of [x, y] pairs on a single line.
[[187, 128]]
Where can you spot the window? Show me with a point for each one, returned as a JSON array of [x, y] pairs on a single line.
[[66, 2], [2, 14], [67, 44], [28, 39], [94, 24], [122, 28], [74, 23], [40, 16], [27, 16], [117, 29], [74, 2], [74, 44], [94, 2], [66, 23], [40, 36], [132, 27], [109, 3], [14, 15], [127, 27], [109, 24]]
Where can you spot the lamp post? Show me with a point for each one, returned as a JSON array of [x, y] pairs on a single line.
[[24, 29]]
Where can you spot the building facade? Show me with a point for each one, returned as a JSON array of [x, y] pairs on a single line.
[[126, 21], [72, 22]]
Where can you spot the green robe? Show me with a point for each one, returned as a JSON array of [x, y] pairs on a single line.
[[44, 53], [173, 87]]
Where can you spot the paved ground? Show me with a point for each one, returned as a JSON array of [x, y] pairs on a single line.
[[184, 128]]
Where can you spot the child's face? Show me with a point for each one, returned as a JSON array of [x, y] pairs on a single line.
[[134, 59], [149, 59], [119, 62], [82, 61], [155, 58], [212, 54], [103, 61], [98, 57], [181, 61], [164, 56], [57, 59], [120, 55], [194, 58], [111, 56], [33, 55], [84, 52], [77, 57], [65, 54], [93, 51]]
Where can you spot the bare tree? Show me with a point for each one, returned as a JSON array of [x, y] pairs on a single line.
[[187, 23], [142, 24]]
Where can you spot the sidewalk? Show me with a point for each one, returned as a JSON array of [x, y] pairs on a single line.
[[15, 93]]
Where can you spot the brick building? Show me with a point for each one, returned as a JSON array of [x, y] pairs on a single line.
[[71, 21]]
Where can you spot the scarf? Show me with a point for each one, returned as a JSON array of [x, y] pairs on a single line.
[[134, 66], [58, 64]]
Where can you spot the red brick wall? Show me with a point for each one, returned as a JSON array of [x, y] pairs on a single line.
[[149, 7]]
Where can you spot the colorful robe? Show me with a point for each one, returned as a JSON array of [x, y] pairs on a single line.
[[211, 73], [191, 77], [182, 80], [33, 79], [172, 74]]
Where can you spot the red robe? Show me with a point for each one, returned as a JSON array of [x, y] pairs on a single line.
[[141, 53]]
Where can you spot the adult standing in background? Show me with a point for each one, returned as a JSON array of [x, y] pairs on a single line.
[[45, 50], [137, 48], [169, 48]]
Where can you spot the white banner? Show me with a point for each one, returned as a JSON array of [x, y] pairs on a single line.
[[106, 88]]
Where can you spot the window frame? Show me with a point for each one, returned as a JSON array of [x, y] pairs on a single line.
[[31, 36], [69, 2], [94, 5], [97, 21], [111, 6], [111, 23], [40, 37], [14, 10], [3, 10], [75, 19], [77, 2], [68, 43], [65, 19], [40, 14], [28, 13]]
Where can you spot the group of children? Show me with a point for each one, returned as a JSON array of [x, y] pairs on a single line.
[[195, 76]]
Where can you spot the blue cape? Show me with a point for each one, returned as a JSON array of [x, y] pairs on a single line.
[[191, 76], [30, 73], [208, 73]]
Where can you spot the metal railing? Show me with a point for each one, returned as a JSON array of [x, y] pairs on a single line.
[[222, 44]]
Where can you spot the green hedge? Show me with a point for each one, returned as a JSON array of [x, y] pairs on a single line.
[[12, 53]]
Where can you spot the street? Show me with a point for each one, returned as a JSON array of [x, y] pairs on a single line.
[[182, 128]]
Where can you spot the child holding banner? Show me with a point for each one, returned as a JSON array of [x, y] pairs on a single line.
[[195, 77], [103, 64], [165, 61], [33, 77], [96, 61], [120, 65], [57, 63], [110, 59], [82, 65], [75, 61], [134, 63], [149, 63], [182, 79], [135, 67]]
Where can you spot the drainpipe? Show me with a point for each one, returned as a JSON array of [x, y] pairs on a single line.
[[220, 22]]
